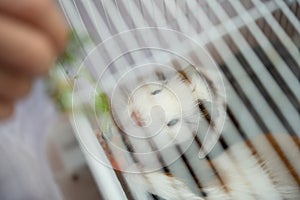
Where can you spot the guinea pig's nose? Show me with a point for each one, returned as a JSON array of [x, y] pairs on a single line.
[[136, 117]]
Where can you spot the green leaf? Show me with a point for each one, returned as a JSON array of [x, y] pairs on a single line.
[[102, 103]]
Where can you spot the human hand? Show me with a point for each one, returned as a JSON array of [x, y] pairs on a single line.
[[33, 34]]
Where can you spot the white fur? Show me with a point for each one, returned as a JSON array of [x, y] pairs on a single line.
[[247, 179], [157, 183], [244, 178]]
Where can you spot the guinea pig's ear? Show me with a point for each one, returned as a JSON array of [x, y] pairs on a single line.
[[197, 82]]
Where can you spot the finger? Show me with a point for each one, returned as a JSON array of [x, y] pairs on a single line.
[[12, 86], [24, 49], [41, 13], [6, 109]]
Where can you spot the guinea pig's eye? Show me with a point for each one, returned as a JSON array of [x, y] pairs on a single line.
[[155, 92], [172, 122]]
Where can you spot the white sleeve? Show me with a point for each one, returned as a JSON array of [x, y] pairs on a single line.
[[24, 171]]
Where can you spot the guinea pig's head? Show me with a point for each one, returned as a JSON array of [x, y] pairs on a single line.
[[167, 111]]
